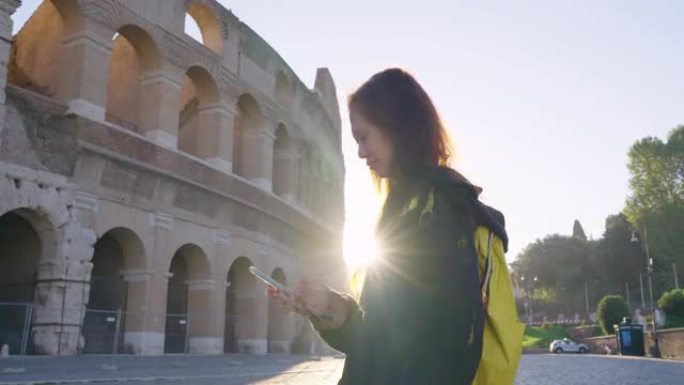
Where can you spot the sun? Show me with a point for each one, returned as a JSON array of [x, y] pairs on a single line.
[[360, 248]]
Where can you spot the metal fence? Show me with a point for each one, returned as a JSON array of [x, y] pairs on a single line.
[[101, 331], [14, 331], [97, 331], [176, 333]]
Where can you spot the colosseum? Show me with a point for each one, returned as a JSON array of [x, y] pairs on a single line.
[[142, 172]]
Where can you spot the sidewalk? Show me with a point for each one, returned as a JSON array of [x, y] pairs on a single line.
[[184, 368]]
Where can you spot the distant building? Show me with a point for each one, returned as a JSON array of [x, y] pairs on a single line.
[[143, 172]]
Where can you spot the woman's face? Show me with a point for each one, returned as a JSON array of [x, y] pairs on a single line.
[[373, 146]]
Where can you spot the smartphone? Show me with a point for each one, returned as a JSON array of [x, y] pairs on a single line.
[[268, 280]]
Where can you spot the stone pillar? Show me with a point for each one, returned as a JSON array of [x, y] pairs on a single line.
[[222, 242], [257, 157], [251, 305], [252, 327], [279, 328], [63, 284], [304, 180], [151, 339], [315, 187], [85, 70], [139, 329], [205, 315], [215, 136], [160, 94], [285, 173], [7, 8]]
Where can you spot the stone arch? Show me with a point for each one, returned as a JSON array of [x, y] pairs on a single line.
[[249, 121], [284, 91], [118, 253], [187, 297], [134, 58], [199, 94], [37, 48], [209, 26], [26, 239], [284, 165], [278, 320]]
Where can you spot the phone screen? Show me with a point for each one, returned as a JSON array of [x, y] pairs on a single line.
[[268, 280]]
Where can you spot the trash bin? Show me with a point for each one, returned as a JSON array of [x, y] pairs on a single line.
[[630, 338]]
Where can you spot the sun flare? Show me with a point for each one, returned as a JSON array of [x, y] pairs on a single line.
[[360, 249]]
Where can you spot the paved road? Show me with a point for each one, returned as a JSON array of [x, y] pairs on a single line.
[[539, 369], [181, 369], [573, 369]]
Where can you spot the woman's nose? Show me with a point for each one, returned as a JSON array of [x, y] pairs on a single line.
[[362, 153]]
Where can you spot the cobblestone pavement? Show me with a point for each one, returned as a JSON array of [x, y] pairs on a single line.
[[571, 369], [174, 370], [540, 369]]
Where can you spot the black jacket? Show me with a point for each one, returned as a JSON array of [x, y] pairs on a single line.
[[420, 317]]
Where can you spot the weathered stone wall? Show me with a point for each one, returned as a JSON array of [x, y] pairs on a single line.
[[142, 168]]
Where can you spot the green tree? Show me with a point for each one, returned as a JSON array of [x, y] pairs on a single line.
[[578, 231], [611, 309], [561, 265], [656, 202], [617, 261], [657, 174]]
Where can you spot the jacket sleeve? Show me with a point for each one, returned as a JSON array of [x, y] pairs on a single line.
[[438, 328], [342, 339]]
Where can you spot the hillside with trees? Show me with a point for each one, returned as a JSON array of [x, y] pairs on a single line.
[[573, 273]]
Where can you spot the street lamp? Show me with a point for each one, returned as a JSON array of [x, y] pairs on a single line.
[[529, 297], [655, 351]]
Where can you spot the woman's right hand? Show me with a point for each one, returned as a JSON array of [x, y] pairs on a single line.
[[326, 308]]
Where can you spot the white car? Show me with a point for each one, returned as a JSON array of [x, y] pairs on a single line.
[[567, 345]]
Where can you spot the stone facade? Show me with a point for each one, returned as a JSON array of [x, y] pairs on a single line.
[[142, 173]]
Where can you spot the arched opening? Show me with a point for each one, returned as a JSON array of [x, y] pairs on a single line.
[[133, 58], [37, 47], [283, 163], [248, 123], [24, 237], [240, 304], [283, 90], [105, 320], [200, 20], [278, 321], [199, 92], [188, 265]]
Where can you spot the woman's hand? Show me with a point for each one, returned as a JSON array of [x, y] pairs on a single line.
[[326, 308]]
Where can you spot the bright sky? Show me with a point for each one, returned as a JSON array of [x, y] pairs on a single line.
[[543, 98]]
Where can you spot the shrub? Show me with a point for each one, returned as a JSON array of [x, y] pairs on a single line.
[[611, 310], [672, 303]]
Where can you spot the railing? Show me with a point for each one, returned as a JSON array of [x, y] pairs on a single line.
[[97, 331], [14, 333]]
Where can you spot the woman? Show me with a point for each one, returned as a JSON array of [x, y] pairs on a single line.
[[420, 318]]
